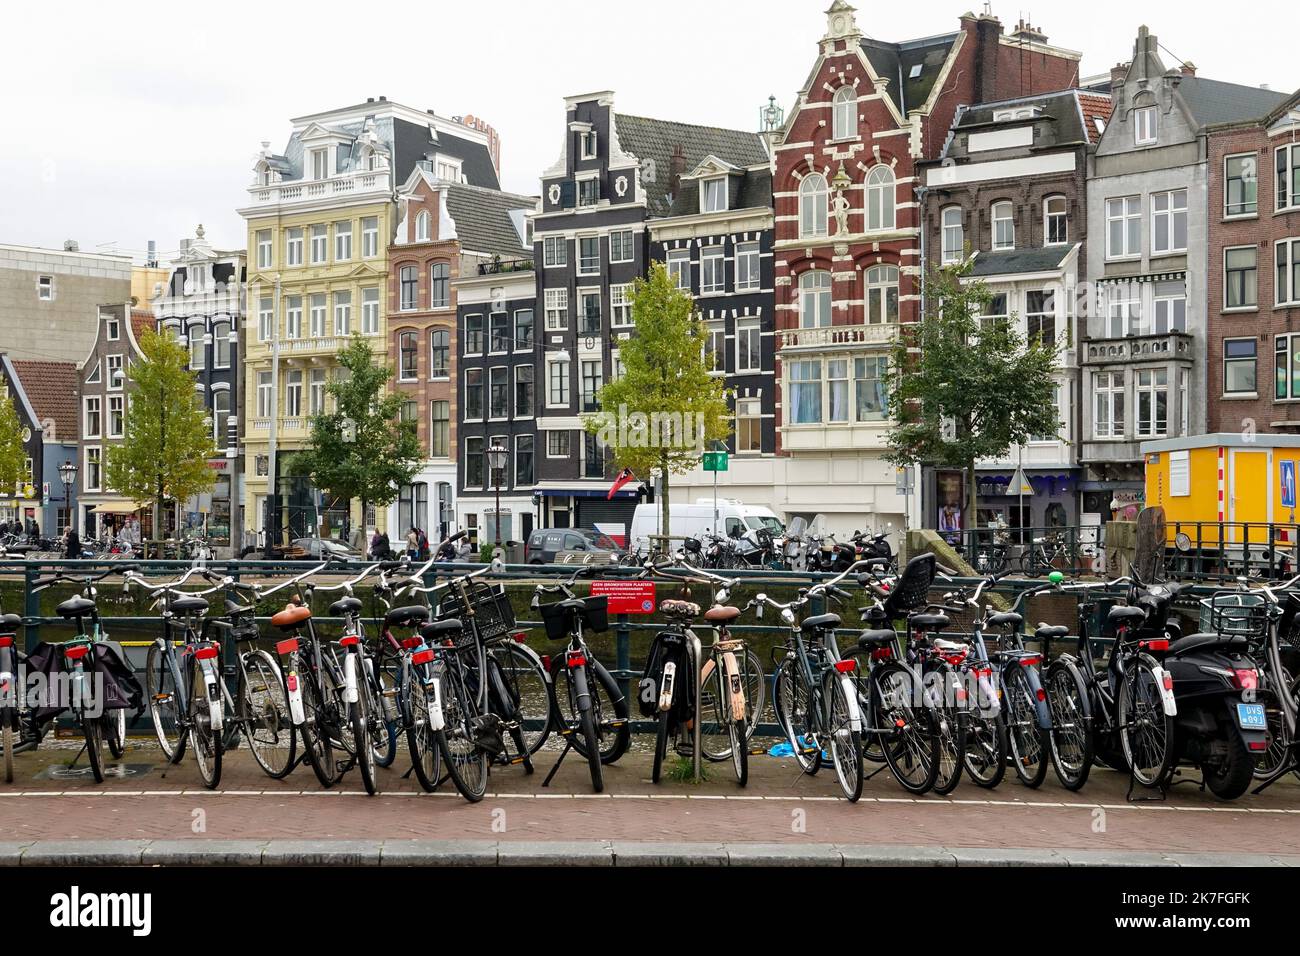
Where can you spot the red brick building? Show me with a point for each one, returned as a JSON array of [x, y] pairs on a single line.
[[1253, 314], [848, 236]]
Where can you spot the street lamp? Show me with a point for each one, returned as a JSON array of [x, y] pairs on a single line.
[[497, 457], [68, 475]]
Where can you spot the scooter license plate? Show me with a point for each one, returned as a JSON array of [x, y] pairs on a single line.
[[1251, 717]]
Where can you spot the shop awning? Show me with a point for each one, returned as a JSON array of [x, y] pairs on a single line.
[[118, 507]]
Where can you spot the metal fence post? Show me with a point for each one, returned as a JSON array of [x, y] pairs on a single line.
[[623, 653], [31, 607]]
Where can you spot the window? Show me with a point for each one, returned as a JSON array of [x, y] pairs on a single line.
[[265, 319], [954, 236], [814, 198], [114, 330], [439, 352], [220, 417], [588, 312], [749, 426], [870, 383], [995, 310], [713, 195], [620, 246], [198, 350], [319, 244], [557, 394], [1287, 288], [523, 460], [1171, 314], [499, 332], [588, 255], [748, 277], [448, 171], [815, 299], [293, 247], [264, 248], [408, 347], [439, 429], [1288, 176], [499, 392], [555, 252], [844, 113], [1124, 311], [1169, 222], [1056, 221], [882, 294], [474, 462], [1124, 227], [91, 425], [264, 395], [408, 282], [1144, 126], [880, 198], [474, 334], [316, 310], [1240, 281], [587, 139], [342, 313], [94, 473], [1241, 185], [221, 345], [293, 393], [806, 392], [439, 285], [422, 226], [316, 392], [1239, 366], [1108, 419], [370, 311], [320, 164], [1040, 317], [715, 344], [1004, 226], [370, 236], [557, 444], [593, 458], [91, 379], [679, 268], [588, 191], [749, 345], [523, 329], [557, 309], [523, 391], [45, 288], [474, 394], [115, 374], [837, 390], [342, 241], [1151, 386], [620, 308], [1286, 366], [592, 379], [713, 272]]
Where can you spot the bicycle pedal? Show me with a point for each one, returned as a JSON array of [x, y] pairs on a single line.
[[515, 761]]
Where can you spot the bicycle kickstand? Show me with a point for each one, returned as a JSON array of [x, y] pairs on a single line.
[[568, 745]]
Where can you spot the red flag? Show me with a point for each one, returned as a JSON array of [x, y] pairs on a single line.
[[623, 478]]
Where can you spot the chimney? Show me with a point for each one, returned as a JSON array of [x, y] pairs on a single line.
[[987, 30], [1118, 74], [677, 166], [152, 256], [1028, 32], [71, 245], [1188, 68]]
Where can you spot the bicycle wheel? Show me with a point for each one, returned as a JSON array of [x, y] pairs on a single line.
[[526, 706], [587, 725], [164, 704], [661, 745], [1273, 761], [361, 716], [315, 732], [1071, 734], [715, 717], [950, 719], [986, 746], [755, 682], [7, 742], [92, 729], [467, 763], [792, 701], [1030, 747], [609, 708], [846, 743], [204, 740], [1146, 732], [263, 714], [904, 724], [384, 742], [115, 732], [421, 739]]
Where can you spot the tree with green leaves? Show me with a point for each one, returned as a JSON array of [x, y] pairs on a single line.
[[362, 449], [664, 410], [13, 455], [167, 439], [965, 389]]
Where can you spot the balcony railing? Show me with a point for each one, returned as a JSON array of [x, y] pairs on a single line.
[[838, 336], [1139, 348], [317, 189], [496, 267]]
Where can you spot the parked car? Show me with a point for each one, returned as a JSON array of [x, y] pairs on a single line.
[[545, 543], [327, 549]]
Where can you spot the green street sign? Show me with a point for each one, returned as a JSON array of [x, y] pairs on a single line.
[[715, 461]]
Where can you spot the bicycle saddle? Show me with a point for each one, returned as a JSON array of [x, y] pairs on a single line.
[[407, 616], [188, 605], [721, 615], [1048, 632], [1006, 619], [928, 622], [345, 606], [674, 608], [1123, 614], [434, 631], [876, 638], [9, 621], [234, 608], [75, 607], [290, 617], [950, 647], [821, 622]]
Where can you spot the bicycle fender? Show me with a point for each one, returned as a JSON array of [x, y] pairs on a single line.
[[350, 694], [293, 683], [437, 721], [1040, 698], [211, 687], [851, 697], [1165, 681], [537, 661]]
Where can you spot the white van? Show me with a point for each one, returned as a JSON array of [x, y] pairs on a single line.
[[696, 520]]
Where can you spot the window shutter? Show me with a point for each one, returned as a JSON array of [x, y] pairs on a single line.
[[568, 194]]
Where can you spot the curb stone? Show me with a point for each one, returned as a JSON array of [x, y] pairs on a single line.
[[321, 853], [535, 853], [860, 855], [1005, 856], [632, 853], [209, 852], [84, 853], [438, 852], [783, 854]]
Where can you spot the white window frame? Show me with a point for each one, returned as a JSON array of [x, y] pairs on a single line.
[[1150, 426], [483, 396], [87, 403], [264, 394], [623, 240], [1172, 213], [1169, 302], [844, 114], [814, 207], [1146, 126], [1246, 210], [45, 288], [882, 196], [115, 364], [1050, 217], [369, 237], [581, 181], [293, 393], [94, 468], [876, 283], [423, 226], [556, 303], [1106, 395], [585, 295], [620, 306], [343, 241], [1002, 217], [748, 332], [265, 319], [320, 244], [555, 252], [343, 313], [816, 316], [952, 235], [589, 266], [713, 259], [264, 246], [318, 310], [1286, 276], [1287, 184], [678, 263], [713, 194], [1127, 217], [505, 402], [562, 379], [552, 451], [293, 248], [749, 266], [370, 310]]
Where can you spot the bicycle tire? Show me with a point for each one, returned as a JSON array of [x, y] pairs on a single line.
[[205, 744], [787, 701], [263, 713], [755, 691], [7, 742], [740, 751], [359, 715], [115, 732], [529, 700], [1276, 760], [315, 740], [610, 708], [1071, 734], [661, 745], [846, 743], [1030, 744], [163, 703], [421, 739], [1146, 732], [951, 724], [986, 748], [467, 764], [385, 744], [92, 731], [587, 724]]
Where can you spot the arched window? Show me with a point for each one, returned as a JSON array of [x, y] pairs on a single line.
[[844, 113], [1004, 226], [1056, 221], [880, 198], [408, 345], [220, 417], [813, 206], [439, 274], [422, 226], [439, 353], [815, 299], [221, 345], [882, 294], [954, 236]]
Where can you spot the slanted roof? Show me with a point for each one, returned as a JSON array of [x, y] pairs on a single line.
[[1019, 261], [752, 189], [140, 320], [1095, 107], [658, 140], [51, 388], [895, 62], [483, 220], [1213, 101]]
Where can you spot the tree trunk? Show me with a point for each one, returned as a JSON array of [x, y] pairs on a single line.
[[665, 523], [365, 539], [972, 499]]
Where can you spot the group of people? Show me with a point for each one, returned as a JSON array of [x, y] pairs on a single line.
[[18, 528], [415, 547]]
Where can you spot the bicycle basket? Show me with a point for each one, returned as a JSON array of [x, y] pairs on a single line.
[[492, 614], [1233, 614], [595, 617]]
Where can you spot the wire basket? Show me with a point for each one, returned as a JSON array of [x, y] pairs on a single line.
[[493, 616], [1234, 614]]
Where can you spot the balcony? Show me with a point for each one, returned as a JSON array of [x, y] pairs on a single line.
[[497, 267], [832, 337], [309, 191], [1178, 346]]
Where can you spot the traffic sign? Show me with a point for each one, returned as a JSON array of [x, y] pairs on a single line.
[[1019, 484], [715, 461], [1288, 483]]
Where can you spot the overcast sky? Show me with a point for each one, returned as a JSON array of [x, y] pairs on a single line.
[[129, 122]]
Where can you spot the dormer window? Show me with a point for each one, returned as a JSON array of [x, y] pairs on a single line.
[[1019, 113], [713, 195], [320, 164], [448, 171], [1144, 126], [587, 144]]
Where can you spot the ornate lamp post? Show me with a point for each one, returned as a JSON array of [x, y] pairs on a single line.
[[497, 458], [68, 475]]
